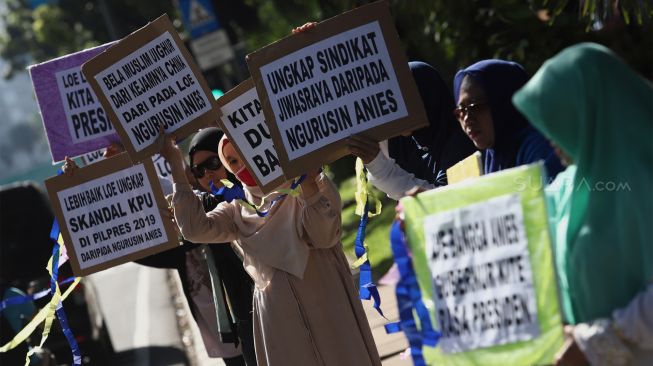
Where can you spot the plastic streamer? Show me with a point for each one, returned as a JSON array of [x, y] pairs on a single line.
[[367, 288], [48, 312], [55, 307], [363, 194], [17, 300], [409, 299], [230, 192], [54, 287]]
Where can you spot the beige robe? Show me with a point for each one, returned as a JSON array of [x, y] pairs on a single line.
[[306, 307]]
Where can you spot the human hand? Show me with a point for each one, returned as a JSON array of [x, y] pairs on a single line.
[[363, 147], [113, 149], [414, 191], [69, 167], [306, 27], [570, 354], [168, 148], [309, 186], [169, 215], [170, 151]]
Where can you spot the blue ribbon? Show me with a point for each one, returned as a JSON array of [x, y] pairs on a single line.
[[61, 314], [367, 288], [63, 320], [16, 300], [236, 192], [409, 298]]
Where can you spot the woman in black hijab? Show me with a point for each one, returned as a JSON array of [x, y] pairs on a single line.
[[421, 158], [209, 272]]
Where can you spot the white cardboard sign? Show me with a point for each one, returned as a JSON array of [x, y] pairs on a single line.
[[482, 277]]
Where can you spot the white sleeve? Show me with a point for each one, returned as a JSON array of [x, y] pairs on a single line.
[[612, 341], [635, 321], [390, 178]]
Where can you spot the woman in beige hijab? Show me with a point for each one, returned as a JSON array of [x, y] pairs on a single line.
[[306, 308]]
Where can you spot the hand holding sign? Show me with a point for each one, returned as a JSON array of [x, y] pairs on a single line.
[[69, 166], [304, 28], [363, 147], [171, 152]]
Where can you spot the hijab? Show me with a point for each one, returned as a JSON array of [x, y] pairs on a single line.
[[499, 80], [435, 148], [270, 242], [582, 99], [206, 139]]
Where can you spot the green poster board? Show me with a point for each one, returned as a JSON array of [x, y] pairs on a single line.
[[481, 250]]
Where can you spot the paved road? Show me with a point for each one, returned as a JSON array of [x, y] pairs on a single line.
[[140, 316]]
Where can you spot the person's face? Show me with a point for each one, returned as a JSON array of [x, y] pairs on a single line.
[[234, 162], [206, 162], [473, 113]]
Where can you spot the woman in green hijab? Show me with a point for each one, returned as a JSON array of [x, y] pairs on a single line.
[[600, 113]]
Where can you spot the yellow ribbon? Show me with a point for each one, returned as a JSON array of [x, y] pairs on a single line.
[[364, 194], [359, 262], [47, 314]]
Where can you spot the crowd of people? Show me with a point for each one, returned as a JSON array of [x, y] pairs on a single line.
[[283, 282]]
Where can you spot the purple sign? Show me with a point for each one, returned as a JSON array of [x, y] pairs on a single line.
[[73, 118]]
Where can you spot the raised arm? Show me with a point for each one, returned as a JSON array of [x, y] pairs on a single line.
[[215, 226], [197, 226]]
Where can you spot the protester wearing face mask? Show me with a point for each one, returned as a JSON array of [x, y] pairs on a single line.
[[306, 307]]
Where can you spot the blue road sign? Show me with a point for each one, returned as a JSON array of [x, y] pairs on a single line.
[[199, 17]]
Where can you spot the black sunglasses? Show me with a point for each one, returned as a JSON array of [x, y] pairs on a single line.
[[212, 163], [462, 110]]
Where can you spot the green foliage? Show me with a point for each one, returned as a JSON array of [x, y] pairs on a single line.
[[66, 26], [454, 34], [447, 34], [278, 18]]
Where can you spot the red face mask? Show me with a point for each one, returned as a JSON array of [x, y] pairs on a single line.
[[245, 177]]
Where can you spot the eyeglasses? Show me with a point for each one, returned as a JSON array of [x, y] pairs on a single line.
[[212, 163], [463, 110]]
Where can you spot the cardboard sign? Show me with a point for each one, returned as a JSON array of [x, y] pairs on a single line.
[[470, 167], [149, 79], [93, 157], [74, 120], [482, 255], [163, 169], [346, 76], [109, 214], [482, 277], [243, 121]]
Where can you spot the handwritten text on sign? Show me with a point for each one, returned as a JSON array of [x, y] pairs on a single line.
[[332, 89], [84, 113], [243, 118], [482, 278], [153, 86], [112, 216]]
